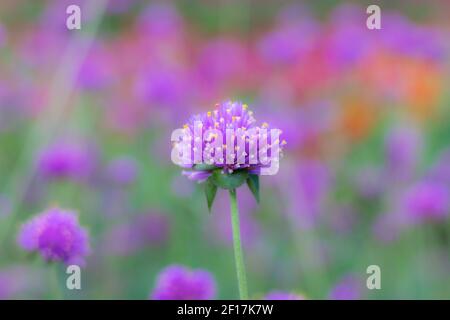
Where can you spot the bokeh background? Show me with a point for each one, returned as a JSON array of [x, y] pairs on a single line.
[[86, 117]]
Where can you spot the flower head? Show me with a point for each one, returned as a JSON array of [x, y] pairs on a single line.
[[177, 282], [229, 138], [227, 147], [57, 236]]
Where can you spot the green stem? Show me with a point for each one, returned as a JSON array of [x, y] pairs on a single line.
[[58, 295], [238, 256]]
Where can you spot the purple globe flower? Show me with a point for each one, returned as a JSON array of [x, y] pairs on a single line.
[[427, 200], [282, 295], [248, 152], [177, 282], [57, 236]]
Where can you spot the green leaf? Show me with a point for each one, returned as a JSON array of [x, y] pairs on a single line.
[[210, 192], [253, 184], [229, 181]]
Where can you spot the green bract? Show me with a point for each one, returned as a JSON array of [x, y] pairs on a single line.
[[230, 181]]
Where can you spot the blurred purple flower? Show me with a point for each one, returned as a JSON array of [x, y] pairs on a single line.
[[163, 86], [213, 71], [427, 200], [282, 295], [279, 47], [160, 20], [16, 281], [177, 282], [309, 187], [199, 176], [122, 170], [407, 38], [9, 285], [51, 45], [402, 148], [57, 236], [348, 288], [303, 126], [350, 41], [95, 71], [67, 159]]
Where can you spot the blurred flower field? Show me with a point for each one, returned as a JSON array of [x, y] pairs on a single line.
[[86, 175]]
